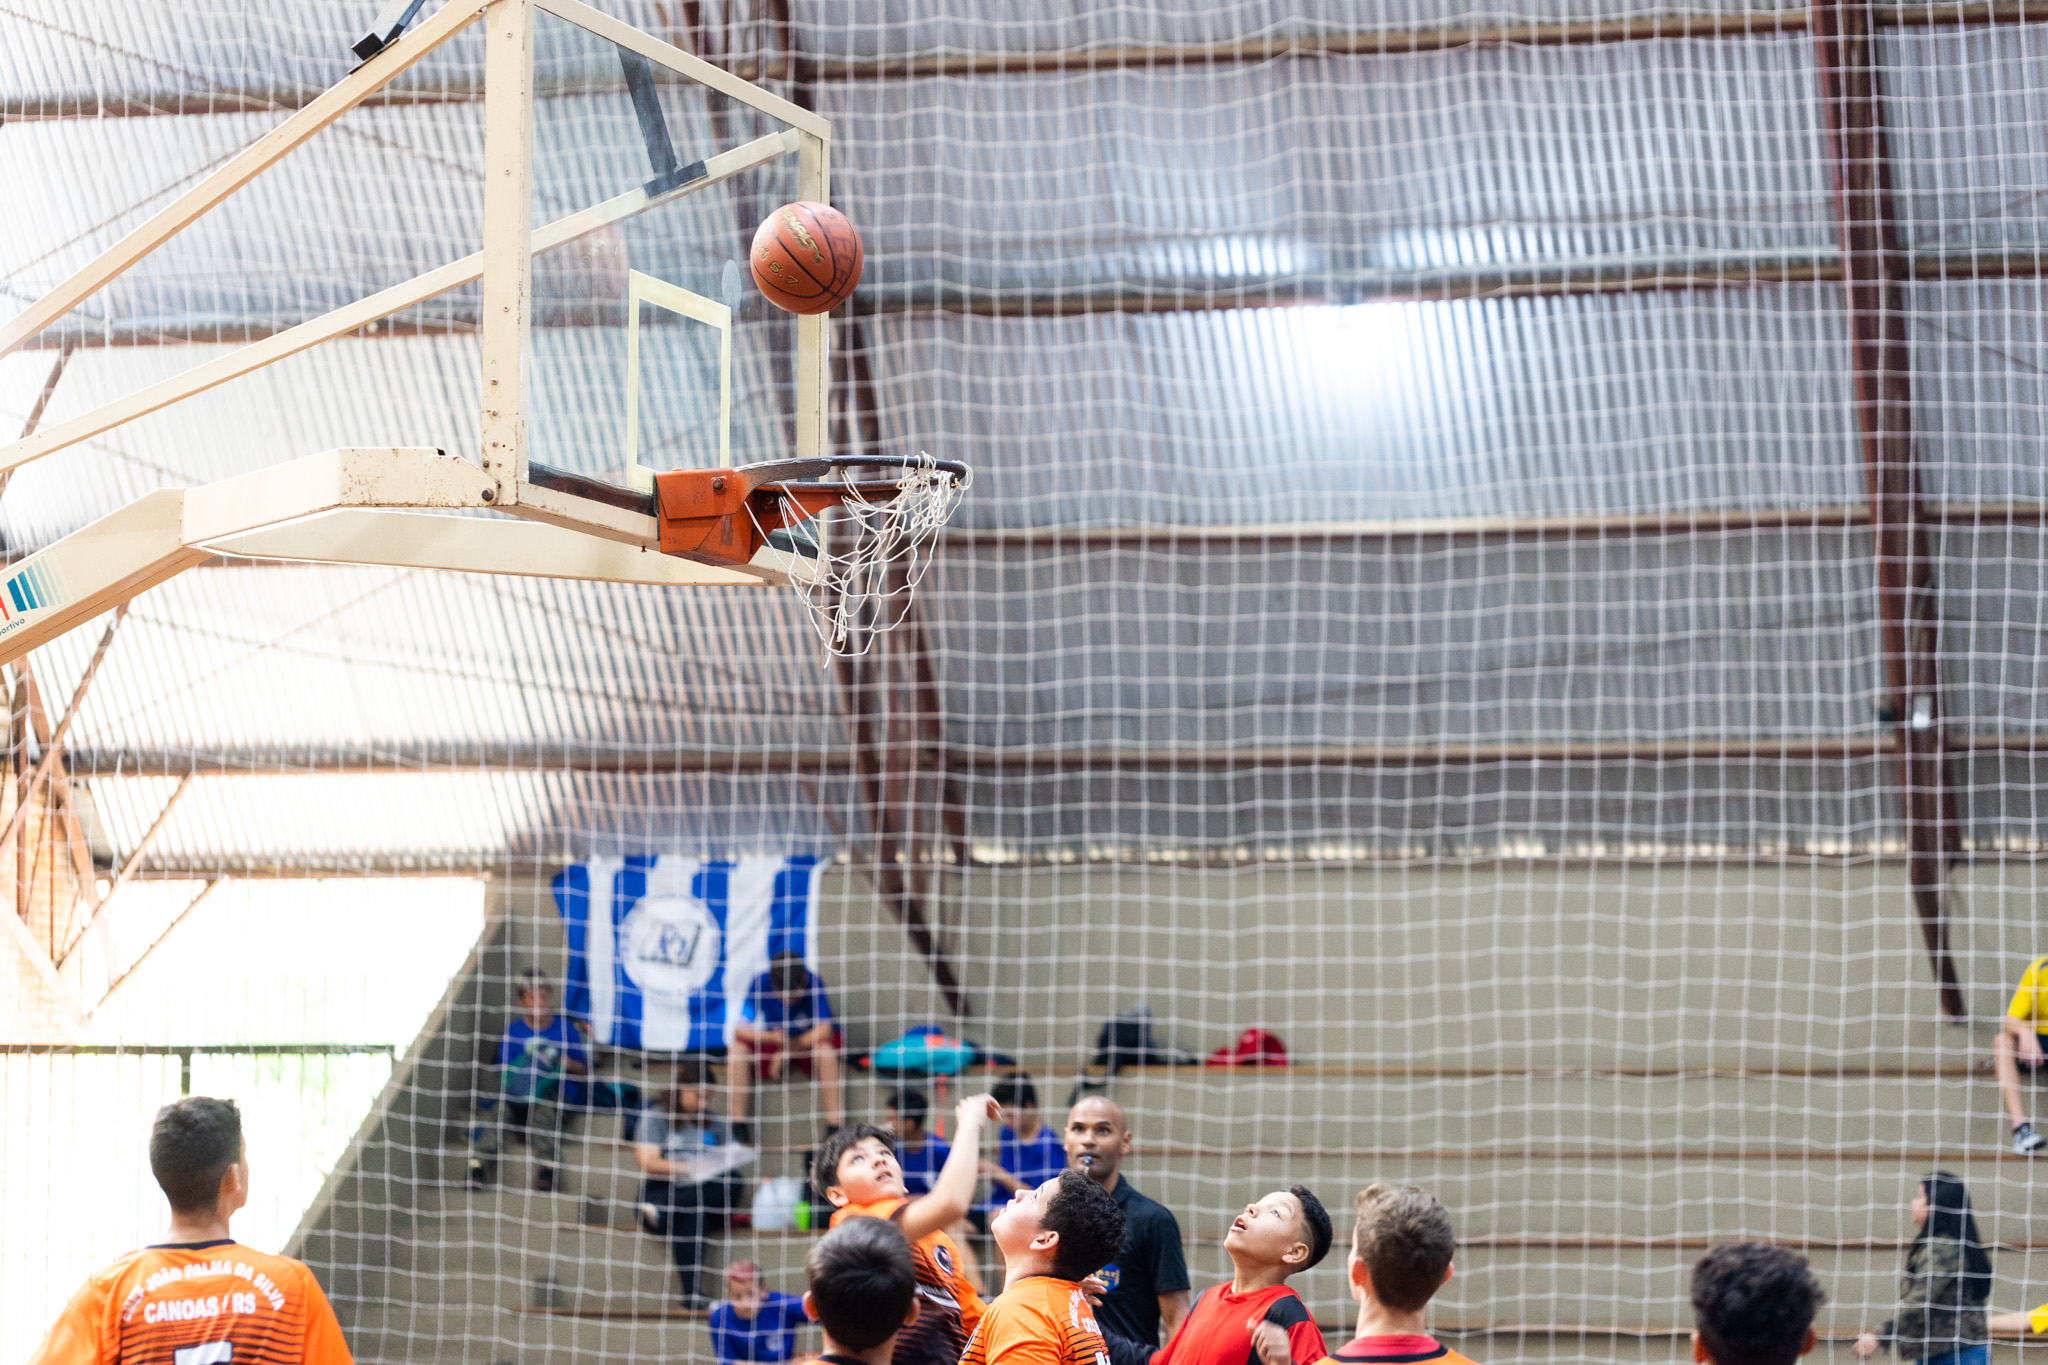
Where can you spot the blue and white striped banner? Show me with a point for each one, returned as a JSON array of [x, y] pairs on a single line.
[[662, 950]]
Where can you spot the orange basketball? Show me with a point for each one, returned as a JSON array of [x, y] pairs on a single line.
[[807, 258]]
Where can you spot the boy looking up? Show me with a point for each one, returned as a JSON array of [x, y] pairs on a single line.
[[858, 1175], [1279, 1236], [1052, 1237], [1754, 1305], [862, 1290], [1401, 1248]]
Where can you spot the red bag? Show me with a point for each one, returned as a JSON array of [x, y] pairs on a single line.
[[1254, 1047]]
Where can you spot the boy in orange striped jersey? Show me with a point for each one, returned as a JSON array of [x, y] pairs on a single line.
[[1052, 1236], [198, 1297], [858, 1174]]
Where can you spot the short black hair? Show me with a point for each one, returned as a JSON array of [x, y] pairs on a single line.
[[1315, 1221], [788, 973], [862, 1282], [191, 1146], [1090, 1224], [692, 1070], [1015, 1091], [1753, 1303], [910, 1104], [825, 1169]]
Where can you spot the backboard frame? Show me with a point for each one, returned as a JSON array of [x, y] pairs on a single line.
[[509, 249], [358, 506]]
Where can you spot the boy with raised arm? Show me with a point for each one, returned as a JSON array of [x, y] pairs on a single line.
[[1052, 1236], [862, 1289], [1281, 1235], [858, 1175]]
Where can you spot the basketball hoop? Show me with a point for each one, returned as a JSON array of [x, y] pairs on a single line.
[[869, 561]]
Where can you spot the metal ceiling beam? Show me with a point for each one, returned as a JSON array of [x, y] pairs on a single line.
[[1979, 515], [154, 944], [1534, 281], [53, 751], [127, 871], [64, 799], [1852, 104], [1362, 43], [981, 760]]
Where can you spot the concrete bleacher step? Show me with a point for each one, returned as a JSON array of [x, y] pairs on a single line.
[[1198, 1108]]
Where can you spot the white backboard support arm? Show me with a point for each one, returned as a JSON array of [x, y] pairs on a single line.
[[252, 161], [349, 506]]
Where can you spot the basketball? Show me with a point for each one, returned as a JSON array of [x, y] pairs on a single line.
[[807, 258]]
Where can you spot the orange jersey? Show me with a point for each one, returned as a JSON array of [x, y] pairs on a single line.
[[197, 1304], [1038, 1321], [948, 1305]]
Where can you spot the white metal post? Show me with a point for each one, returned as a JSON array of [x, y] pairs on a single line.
[[508, 239], [813, 333]]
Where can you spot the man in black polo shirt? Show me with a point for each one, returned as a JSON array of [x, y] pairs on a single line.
[[1148, 1280]]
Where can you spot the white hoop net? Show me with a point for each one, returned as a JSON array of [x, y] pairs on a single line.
[[873, 554]]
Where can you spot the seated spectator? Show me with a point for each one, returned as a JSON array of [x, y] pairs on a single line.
[[689, 1159], [754, 1323], [538, 1053], [2018, 1046], [1028, 1152], [1401, 1249], [786, 1020], [1754, 1305], [919, 1155]]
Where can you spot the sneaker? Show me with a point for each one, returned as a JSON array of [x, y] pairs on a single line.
[[743, 1132], [544, 1179], [2026, 1141], [479, 1174], [694, 1303], [649, 1219]]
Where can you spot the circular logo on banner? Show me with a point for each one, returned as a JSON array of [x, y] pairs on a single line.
[[669, 945]]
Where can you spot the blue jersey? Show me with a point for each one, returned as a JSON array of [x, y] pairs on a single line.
[[528, 1059], [771, 1336], [920, 1166], [1033, 1162], [765, 1009]]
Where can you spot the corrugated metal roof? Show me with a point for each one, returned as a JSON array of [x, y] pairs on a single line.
[[1370, 170], [1528, 407]]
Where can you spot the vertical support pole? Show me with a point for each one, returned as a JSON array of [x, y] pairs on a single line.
[[813, 336], [508, 239], [1873, 283]]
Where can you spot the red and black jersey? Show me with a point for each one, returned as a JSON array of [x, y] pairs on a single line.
[[1218, 1329], [1415, 1350]]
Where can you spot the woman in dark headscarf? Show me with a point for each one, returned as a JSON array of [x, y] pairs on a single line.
[[1945, 1284]]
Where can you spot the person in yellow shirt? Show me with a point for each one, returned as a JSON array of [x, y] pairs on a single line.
[[198, 1297], [2031, 1324], [2019, 1044]]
